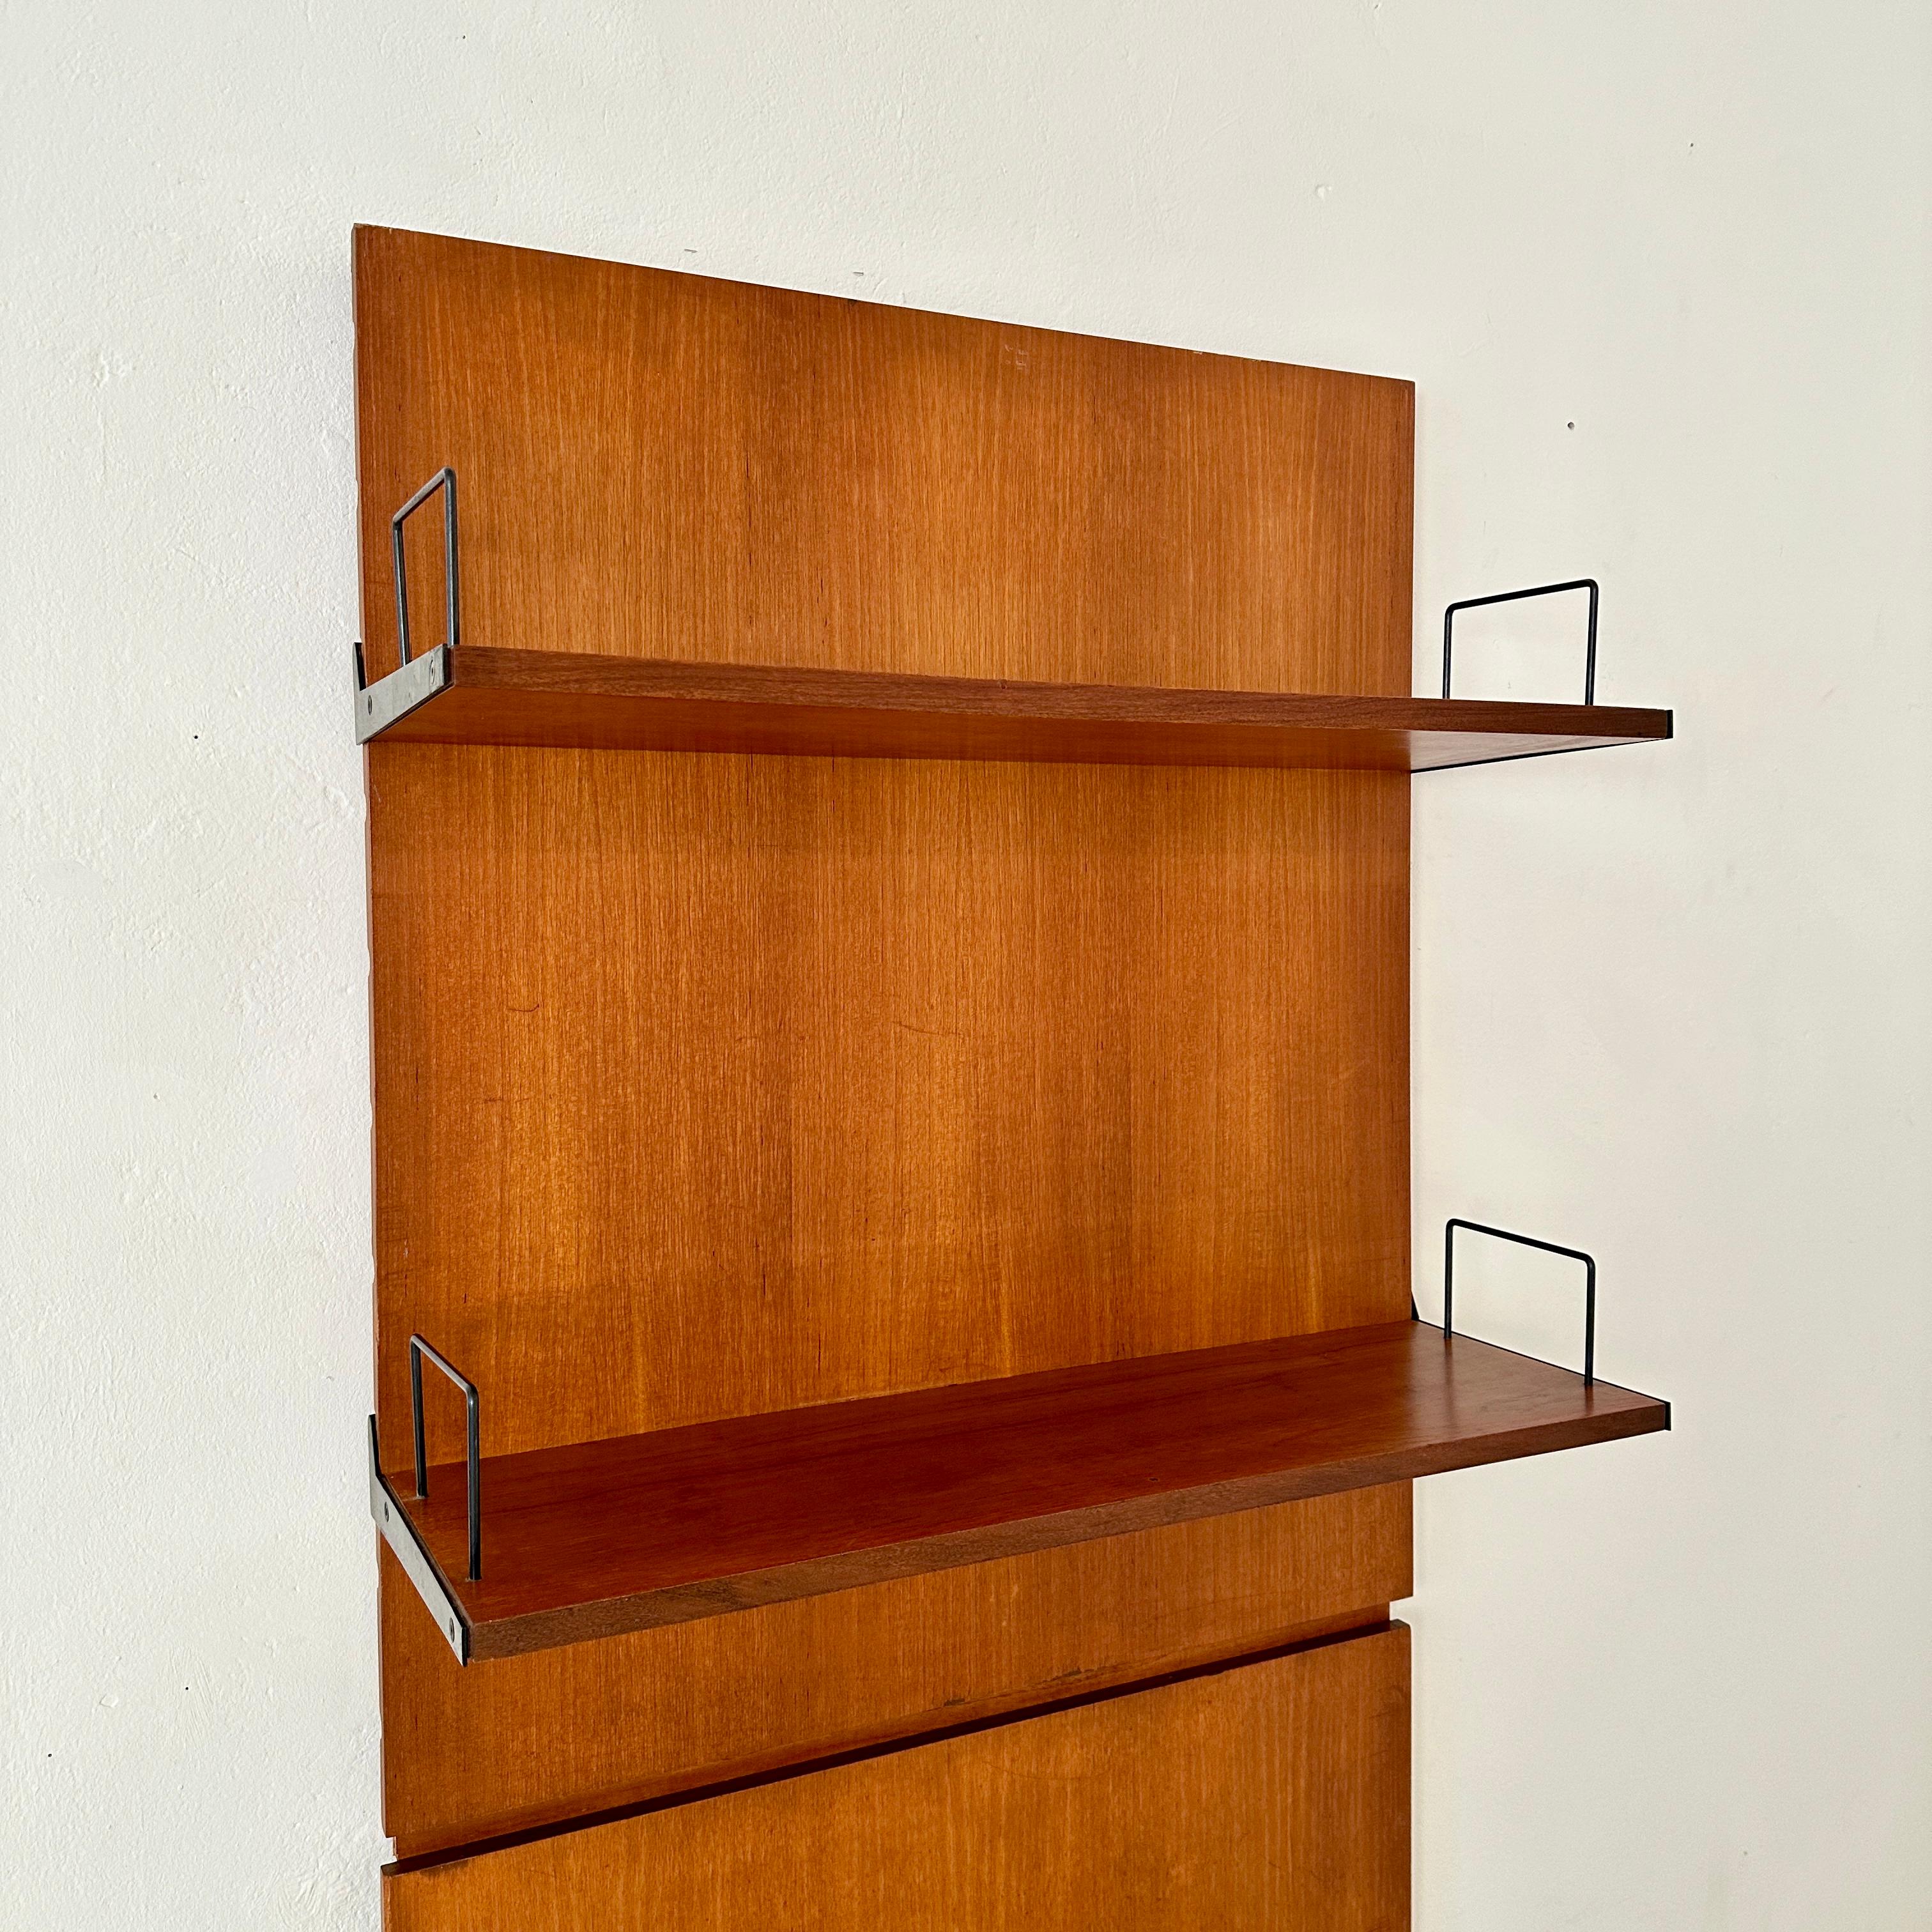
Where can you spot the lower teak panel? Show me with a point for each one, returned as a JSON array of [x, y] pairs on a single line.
[[555, 1735], [1273, 1794]]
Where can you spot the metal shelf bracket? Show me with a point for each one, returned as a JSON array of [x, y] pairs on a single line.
[[1588, 583], [415, 680], [398, 1528], [412, 1553], [1528, 1241]]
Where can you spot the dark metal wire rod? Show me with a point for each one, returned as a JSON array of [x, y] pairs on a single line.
[[1588, 583], [418, 1348], [444, 480], [1528, 1241]]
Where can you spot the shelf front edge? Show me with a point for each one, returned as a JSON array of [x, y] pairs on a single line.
[[486, 695], [827, 1576]]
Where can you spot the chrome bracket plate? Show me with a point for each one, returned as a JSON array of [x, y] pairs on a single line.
[[412, 1553], [378, 706]]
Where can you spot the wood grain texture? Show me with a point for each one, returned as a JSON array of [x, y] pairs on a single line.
[[1274, 1795], [712, 1086], [596, 1538], [665, 466], [508, 696], [554, 1735], [705, 1087]]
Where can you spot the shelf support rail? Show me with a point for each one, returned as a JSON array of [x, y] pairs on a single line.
[[1528, 1241], [1588, 583], [418, 1348], [406, 1541]]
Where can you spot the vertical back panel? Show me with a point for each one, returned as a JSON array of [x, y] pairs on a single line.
[[674, 467], [709, 1084], [1271, 1797]]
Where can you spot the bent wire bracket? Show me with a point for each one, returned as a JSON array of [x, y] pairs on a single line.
[[415, 680], [1588, 583], [1528, 1241]]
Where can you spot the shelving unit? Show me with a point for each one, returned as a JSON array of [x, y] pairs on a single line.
[[911, 1175]]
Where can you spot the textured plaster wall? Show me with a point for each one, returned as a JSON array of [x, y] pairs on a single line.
[[1661, 275]]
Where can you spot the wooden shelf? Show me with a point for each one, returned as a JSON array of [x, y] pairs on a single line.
[[601, 1537], [480, 695]]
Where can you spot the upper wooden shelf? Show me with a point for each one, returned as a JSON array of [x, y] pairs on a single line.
[[601, 1537], [480, 695]]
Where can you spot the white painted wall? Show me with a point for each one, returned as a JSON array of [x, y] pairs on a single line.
[[1669, 1004]]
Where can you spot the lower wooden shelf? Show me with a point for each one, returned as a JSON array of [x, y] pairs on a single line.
[[601, 1537]]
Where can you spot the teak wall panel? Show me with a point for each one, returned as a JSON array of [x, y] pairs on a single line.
[[707, 1083], [711, 1085], [564, 1733], [1272, 1797], [663, 465]]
